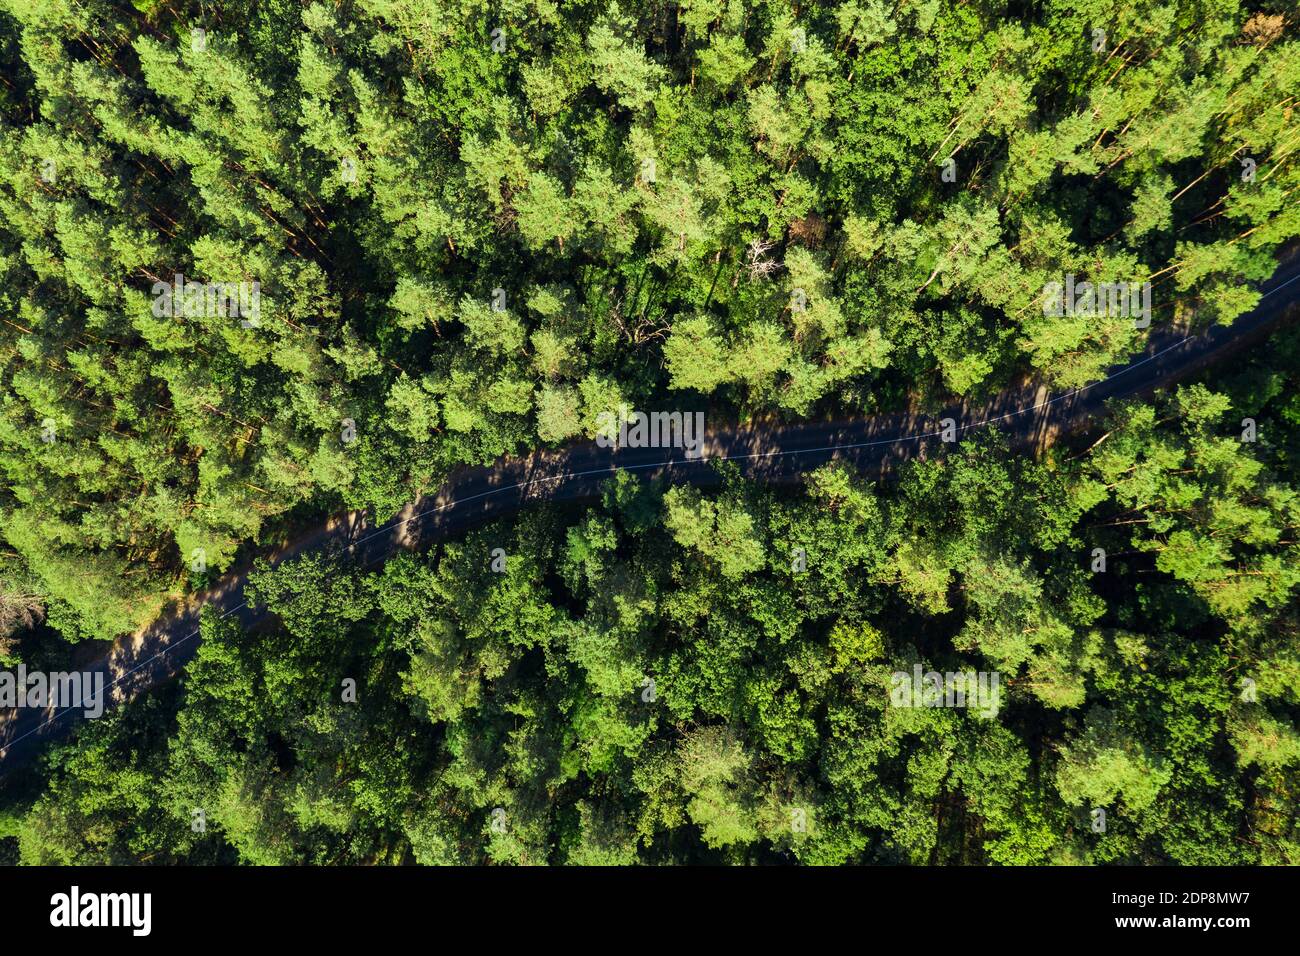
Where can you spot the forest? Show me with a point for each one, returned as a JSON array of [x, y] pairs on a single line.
[[262, 261]]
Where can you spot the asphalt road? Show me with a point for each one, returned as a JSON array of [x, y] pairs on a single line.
[[1028, 414]]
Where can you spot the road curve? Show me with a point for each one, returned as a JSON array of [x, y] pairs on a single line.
[[1029, 415]]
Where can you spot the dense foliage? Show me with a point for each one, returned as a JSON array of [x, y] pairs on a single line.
[[655, 679], [648, 185], [476, 227]]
